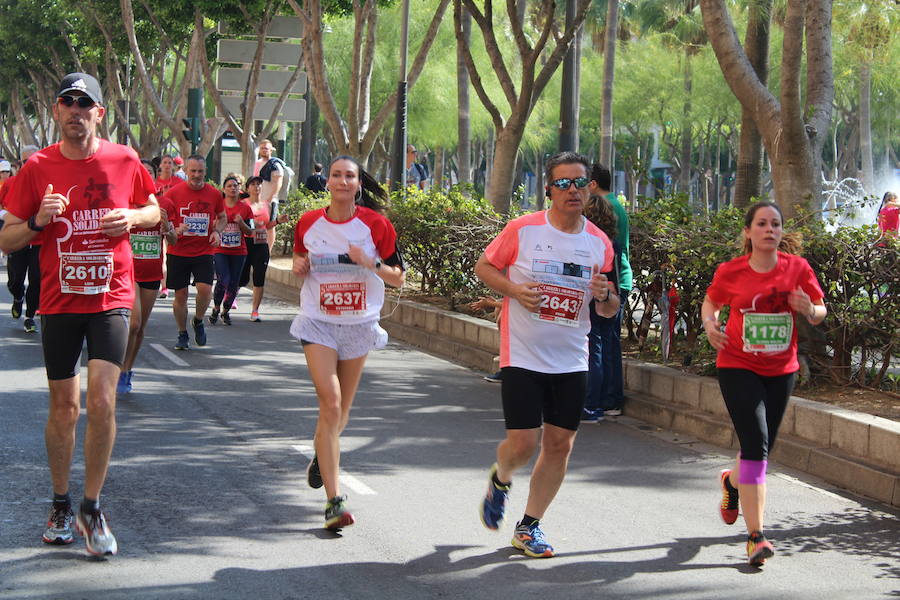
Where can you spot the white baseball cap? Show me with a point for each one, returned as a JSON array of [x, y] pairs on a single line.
[[5, 166]]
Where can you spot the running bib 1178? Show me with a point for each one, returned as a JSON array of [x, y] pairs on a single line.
[[342, 298], [85, 273], [559, 305], [767, 332], [145, 246]]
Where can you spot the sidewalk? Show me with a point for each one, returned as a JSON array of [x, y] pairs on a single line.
[[853, 450]]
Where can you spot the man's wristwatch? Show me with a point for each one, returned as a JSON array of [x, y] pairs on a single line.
[[378, 264], [32, 224]]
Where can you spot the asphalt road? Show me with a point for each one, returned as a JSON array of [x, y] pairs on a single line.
[[207, 495]]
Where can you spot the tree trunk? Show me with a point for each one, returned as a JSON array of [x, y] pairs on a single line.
[[750, 153], [865, 127], [438, 172], [463, 112], [609, 70], [503, 168]]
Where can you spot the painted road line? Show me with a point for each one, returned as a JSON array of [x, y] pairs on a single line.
[[165, 352], [346, 479]]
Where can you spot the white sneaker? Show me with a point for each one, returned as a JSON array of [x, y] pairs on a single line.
[[97, 536], [613, 412]]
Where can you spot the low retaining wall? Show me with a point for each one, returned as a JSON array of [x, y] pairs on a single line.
[[856, 451]]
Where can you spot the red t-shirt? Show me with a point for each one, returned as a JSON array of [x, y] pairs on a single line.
[[199, 209], [889, 220], [753, 343], [232, 237], [147, 248], [164, 185], [82, 269], [260, 223]]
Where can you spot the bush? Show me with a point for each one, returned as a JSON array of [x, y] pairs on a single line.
[[441, 235], [299, 201]]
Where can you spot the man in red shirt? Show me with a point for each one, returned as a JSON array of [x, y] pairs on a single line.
[[83, 194], [199, 219]]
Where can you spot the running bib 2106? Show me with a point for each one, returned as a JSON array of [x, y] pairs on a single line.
[[767, 332], [85, 273], [559, 305], [342, 298]]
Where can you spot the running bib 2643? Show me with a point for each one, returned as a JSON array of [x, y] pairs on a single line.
[[767, 332], [559, 305], [342, 298]]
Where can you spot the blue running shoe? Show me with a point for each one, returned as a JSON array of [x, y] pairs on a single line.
[[183, 342], [591, 416], [124, 385], [530, 540], [493, 506], [199, 332]]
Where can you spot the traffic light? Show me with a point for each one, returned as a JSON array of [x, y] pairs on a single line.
[[191, 132]]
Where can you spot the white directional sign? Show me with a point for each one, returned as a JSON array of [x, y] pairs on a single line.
[[274, 53], [293, 110], [235, 80]]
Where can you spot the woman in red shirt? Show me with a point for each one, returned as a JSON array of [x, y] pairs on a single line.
[[766, 289], [889, 215], [232, 250]]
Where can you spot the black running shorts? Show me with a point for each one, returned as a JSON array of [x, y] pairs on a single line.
[[63, 337], [531, 398], [180, 268]]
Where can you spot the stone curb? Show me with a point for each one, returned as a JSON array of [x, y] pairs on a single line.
[[853, 450]]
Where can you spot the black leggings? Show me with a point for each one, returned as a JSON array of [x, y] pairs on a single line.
[[756, 405], [22, 263], [258, 259]]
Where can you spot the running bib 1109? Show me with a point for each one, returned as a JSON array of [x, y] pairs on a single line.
[[197, 225], [767, 332], [559, 305], [342, 298], [85, 273], [145, 246]]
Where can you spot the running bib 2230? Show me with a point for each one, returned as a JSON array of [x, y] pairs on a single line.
[[197, 225], [767, 332]]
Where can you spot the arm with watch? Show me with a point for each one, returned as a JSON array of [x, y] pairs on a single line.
[[393, 276], [18, 233]]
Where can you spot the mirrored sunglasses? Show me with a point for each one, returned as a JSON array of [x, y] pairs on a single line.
[[82, 101], [564, 183]]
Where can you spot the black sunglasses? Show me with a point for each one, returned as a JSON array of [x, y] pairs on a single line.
[[564, 183], [83, 101]]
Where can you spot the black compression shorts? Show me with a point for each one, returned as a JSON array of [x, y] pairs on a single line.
[[531, 398], [63, 336], [180, 268]]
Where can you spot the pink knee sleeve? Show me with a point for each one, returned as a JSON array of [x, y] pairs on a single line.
[[753, 472]]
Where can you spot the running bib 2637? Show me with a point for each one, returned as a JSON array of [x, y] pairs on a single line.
[[342, 298], [767, 332], [85, 272]]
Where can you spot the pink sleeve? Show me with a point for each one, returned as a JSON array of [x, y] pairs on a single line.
[[504, 249]]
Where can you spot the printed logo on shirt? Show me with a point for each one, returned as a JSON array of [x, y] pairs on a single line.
[[558, 267], [331, 263]]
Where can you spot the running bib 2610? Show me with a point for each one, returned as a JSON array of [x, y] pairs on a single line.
[[559, 305], [342, 298], [767, 332], [145, 246], [85, 273]]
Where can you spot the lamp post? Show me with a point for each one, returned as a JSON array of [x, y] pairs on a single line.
[[398, 160]]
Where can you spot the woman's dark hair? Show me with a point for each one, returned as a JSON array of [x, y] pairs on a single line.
[[371, 193], [791, 243], [599, 211], [150, 164], [234, 178], [254, 179]]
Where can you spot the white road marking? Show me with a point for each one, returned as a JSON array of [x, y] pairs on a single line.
[[165, 352], [349, 480]]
